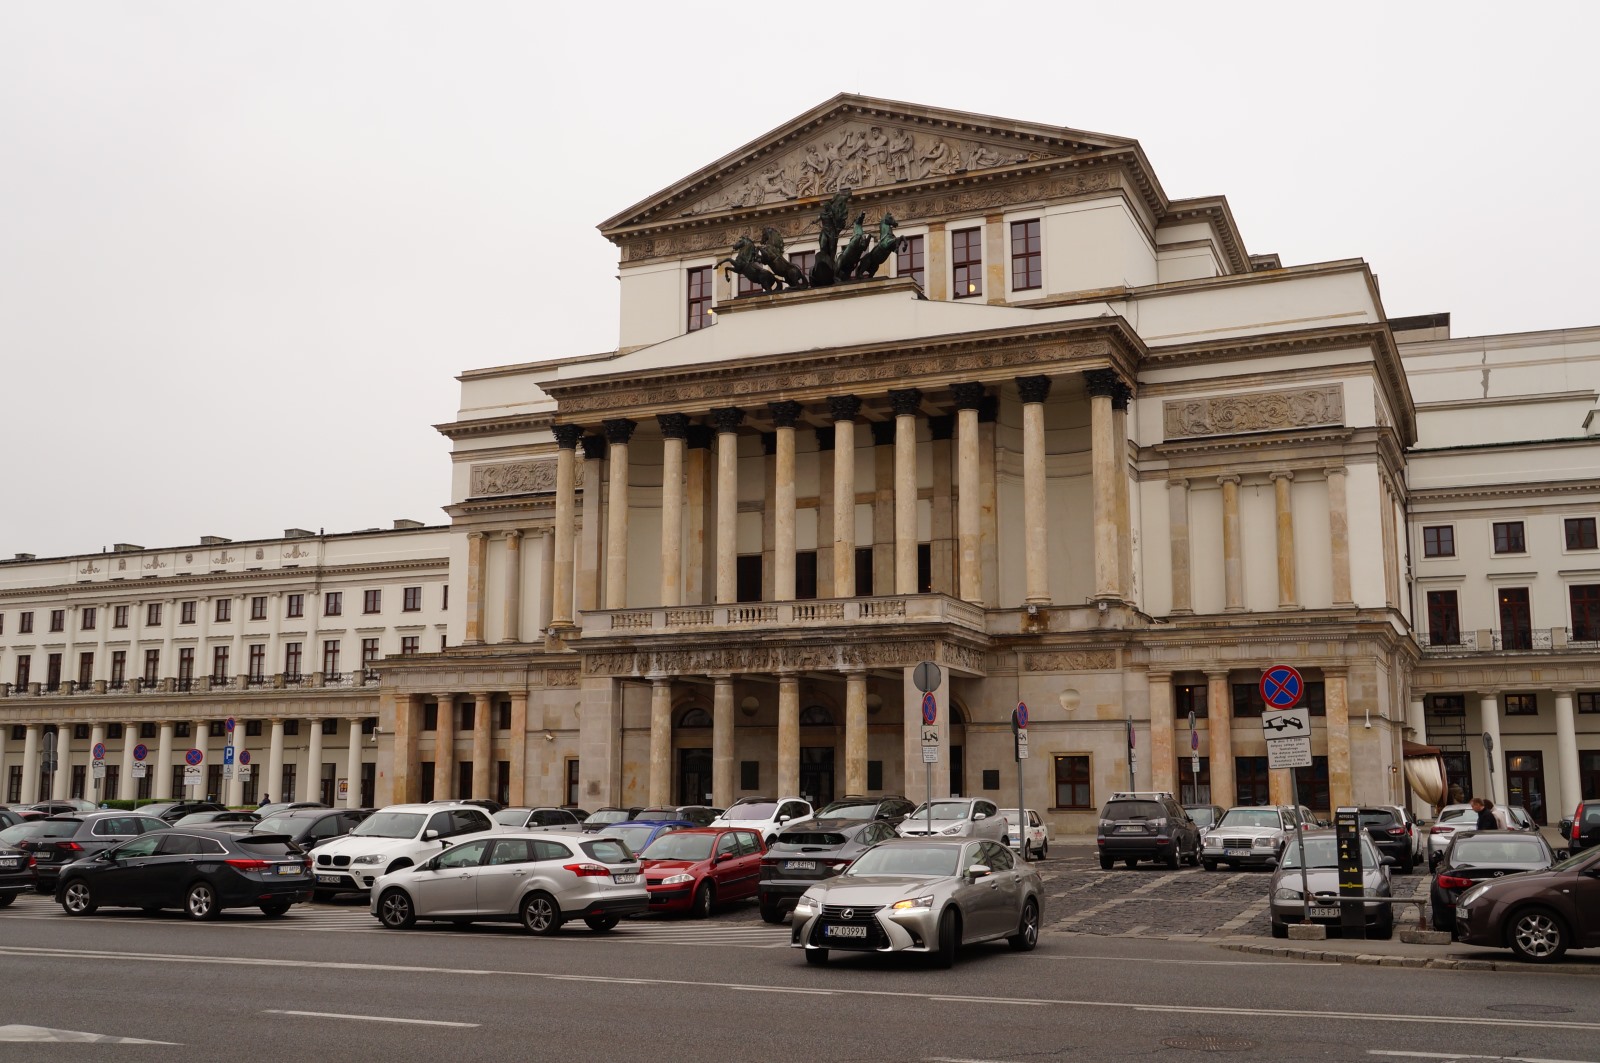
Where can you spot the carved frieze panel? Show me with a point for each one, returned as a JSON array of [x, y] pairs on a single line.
[[1261, 411], [831, 657], [518, 477], [1071, 661], [560, 677]]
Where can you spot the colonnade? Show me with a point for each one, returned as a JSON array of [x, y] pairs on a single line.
[[485, 749]]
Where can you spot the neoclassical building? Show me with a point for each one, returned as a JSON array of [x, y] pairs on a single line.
[[1071, 441]]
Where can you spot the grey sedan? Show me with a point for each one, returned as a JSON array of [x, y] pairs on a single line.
[[923, 895], [1322, 875]]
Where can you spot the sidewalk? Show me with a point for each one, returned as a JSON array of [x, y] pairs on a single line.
[[1396, 953]]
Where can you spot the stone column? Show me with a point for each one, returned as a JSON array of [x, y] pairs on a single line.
[[769, 513], [313, 768], [1035, 514], [1339, 535], [906, 403], [352, 767], [695, 488], [988, 500], [824, 437], [1102, 386], [855, 733], [519, 749], [586, 594], [942, 546], [567, 436], [128, 786], [883, 510], [30, 764], [61, 781], [482, 745], [618, 431], [661, 742], [405, 776], [784, 416], [511, 616], [1336, 695], [674, 435], [843, 409], [1281, 482], [726, 420], [722, 744], [444, 749], [1232, 548], [969, 569], [1417, 720], [161, 787], [547, 574], [1163, 755], [1566, 754], [1178, 535], [788, 735], [473, 632], [1489, 711], [1219, 726], [272, 785], [1123, 517]]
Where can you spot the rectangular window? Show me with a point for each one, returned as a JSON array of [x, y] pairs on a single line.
[[219, 663], [1508, 538], [748, 578], [185, 664], [1521, 704], [330, 658], [409, 645], [224, 610], [444, 597], [1194, 788], [1247, 700], [87, 618], [258, 661], [1444, 619], [1588, 771], [58, 620], [333, 603], [1026, 269], [430, 717], [1439, 540], [502, 720], [467, 715], [296, 606], [24, 665], [291, 727], [85, 670], [369, 652], [1516, 625], [330, 727], [252, 728], [991, 778], [186, 611], [411, 599], [863, 587], [804, 261], [372, 601], [119, 616], [1190, 697], [1588, 701], [113, 731], [152, 615], [1580, 533], [924, 568], [909, 262], [119, 668], [749, 775], [1313, 784], [25, 623], [152, 665], [1072, 782], [53, 672], [147, 730], [699, 298], [258, 607], [572, 782], [1250, 778], [966, 258], [291, 660], [874, 775], [1585, 600], [805, 574], [215, 729]]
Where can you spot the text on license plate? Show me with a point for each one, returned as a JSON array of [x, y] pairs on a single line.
[[1325, 913], [1236, 852], [290, 869], [799, 865], [10, 863], [627, 878], [1130, 830], [846, 932], [1461, 911], [330, 880]]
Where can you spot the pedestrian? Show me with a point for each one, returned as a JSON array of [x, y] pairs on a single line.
[[1486, 820], [266, 799]]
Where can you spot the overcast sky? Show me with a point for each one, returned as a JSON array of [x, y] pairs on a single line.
[[245, 248]]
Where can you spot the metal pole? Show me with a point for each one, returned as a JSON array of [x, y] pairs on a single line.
[[1300, 845], [1022, 809], [927, 776], [1133, 786]]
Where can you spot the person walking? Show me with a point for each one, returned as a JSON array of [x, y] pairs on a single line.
[[1486, 820]]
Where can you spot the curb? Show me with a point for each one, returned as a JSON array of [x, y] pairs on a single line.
[[1441, 963]]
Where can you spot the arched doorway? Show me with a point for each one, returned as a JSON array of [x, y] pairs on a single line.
[[958, 749]]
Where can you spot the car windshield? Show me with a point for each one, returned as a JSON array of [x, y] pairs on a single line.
[[610, 815], [1134, 810], [752, 811], [1376, 817], [390, 825], [1251, 817], [1458, 815], [679, 847], [21, 832], [1489, 849], [511, 817], [1202, 817], [920, 860], [943, 810], [846, 810], [1324, 852], [635, 838]]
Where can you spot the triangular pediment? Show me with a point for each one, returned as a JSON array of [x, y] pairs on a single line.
[[859, 143]]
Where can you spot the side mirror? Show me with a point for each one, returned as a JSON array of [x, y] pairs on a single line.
[[429, 835], [1566, 827], [783, 819], [1563, 854], [979, 815], [977, 871]]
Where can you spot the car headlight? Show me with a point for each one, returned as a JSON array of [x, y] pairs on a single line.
[[1284, 893], [1472, 894], [957, 829], [371, 858], [806, 905], [673, 880], [1265, 842], [925, 901]]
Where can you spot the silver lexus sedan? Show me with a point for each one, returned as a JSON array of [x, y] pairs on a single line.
[[927, 895]]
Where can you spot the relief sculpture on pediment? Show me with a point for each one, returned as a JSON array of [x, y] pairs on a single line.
[[1262, 411]]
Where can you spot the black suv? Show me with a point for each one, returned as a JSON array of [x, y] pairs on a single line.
[[172, 811], [1582, 831], [891, 808], [810, 851], [1392, 834], [1138, 826]]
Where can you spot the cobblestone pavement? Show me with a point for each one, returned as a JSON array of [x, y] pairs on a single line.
[[1151, 901]]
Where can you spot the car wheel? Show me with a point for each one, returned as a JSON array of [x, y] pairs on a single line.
[[540, 914], [78, 898], [704, 901], [602, 924], [1130, 862], [1209, 865], [395, 910], [1105, 863], [949, 941], [816, 956], [1410, 863], [1385, 930], [771, 913], [1280, 930], [1027, 935], [1172, 859], [1044, 850], [200, 902], [275, 909], [6, 899], [1537, 935]]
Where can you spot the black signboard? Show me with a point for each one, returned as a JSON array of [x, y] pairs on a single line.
[[1347, 821]]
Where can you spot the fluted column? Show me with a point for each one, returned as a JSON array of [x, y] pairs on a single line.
[[444, 749], [1178, 536], [969, 493], [511, 617], [1102, 386], [906, 403], [1339, 535], [1489, 712], [1034, 390], [1283, 499], [788, 735], [1336, 697], [855, 733], [161, 787], [273, 783], [128, 786], [1232, 547], [313, 769], [1219, 726], [843, 409], [1163, 755], [567, 436], [482, 745], [661, 741], [30, 764], [519, 748], [1567, 752], [726, 421], [477, 547], [722, 744], [618, 431], [674, 435], [784, 416], [352, 767]]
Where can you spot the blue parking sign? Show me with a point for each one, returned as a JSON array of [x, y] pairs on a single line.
[[227, 753]]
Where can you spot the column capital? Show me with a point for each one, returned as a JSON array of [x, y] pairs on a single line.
[[1563, 692], [567, 435], [726, 419], [594, 447], [1120, 395], [476, 536], [1155, 676], [1101, 383], [481, 695], [1218, 673], [785, 413], [1280, 474], [1334, 470], [883, 433], [1482, 694], [1179, 482], [1228, 478], [512, 535], [905, 402], [854, 673], [673, 425], [699, 437], [659, 681], [619, 430], [825, 438], [968, 396], [1033, 388], [445, 698], [942, 427], [843, 407]]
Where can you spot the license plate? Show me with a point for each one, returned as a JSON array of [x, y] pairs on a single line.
[[329, 880], [10, 863], [799, 865], [290, 869], [845, 932], [627, 878], [1236, 852], [1130, 830], [1461, 912], [1325, 913]]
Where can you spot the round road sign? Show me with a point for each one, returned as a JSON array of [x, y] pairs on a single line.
[[228, 725], [1019, 718], [141, 751], [193, 757], [927, 677], [930, 709], [99, 751], [1281, 687], [244, 756]]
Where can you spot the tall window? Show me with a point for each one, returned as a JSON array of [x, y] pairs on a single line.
[[186, 611], [408, 645], [25, 623], [1580, 533], [291, 659], [1250, 779], [1439, 540], [1516, 626], [909, 261], [185, 664], [1444, 619], [87, 618], [411, 599], [1246, 699], [1313, 784], [699, 298], [119, 616], [369, 652], [330, 657], [58, 620], [224, 610], [85, 669], [1521, 704], [24, 665], [1508, 537], [53, 671], [295, 606], [258, 607], [372, 601], [152, 665], [119, 668], [152, 615], [966, 256], [1585, 612], [258, 661], [1072, 782], [333, 603], [219, 662], [444, 596], [1190, 697], [1026, 270], [804, 261]]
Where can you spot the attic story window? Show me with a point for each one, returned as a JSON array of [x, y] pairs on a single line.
[[699, 298], [966, 258]]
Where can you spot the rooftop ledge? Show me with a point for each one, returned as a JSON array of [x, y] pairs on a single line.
[[799, 296]]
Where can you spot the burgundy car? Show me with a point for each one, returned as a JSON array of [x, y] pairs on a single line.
[[694, 870], [1538, 915]]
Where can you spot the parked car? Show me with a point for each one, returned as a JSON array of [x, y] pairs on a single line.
[[808, 852], [284, 806], [927, 895], [311, 827], [197, 819], [891, 808], [9, 818], [973, 817], [390, 839], [66, 838], [171, 811], [68, 804], [1034, 841], [488, 804], [1138, 825], [1393, 832], [764, 814], [1582, 831], [15, 877], [538, 879], [695, 869], [1204, 816], [1538, 915], [1249, 835], [537, 819], [200, 871], [1474, 856], [1452, 818], [697, 815], [637, 834], [604, 817], [1322, 876]]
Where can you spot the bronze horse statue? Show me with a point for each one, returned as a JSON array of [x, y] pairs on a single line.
[[832, 220], [770, 252], [888, 244], [745, 262], [851, 255]]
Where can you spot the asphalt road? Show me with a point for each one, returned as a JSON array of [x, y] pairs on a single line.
[[325, 982]]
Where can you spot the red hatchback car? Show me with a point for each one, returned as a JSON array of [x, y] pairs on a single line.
[[695, 870]]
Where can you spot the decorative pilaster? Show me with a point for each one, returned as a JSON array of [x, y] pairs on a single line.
[[511, 620], [661, 742], [1219, 728], [907, 404], [1567, 751], [1283, 500], [1034, 390], [1163, 758], [784, 416], [1336, 697], [519, 748], [619, 430], [1339, 535], [674, 437], [843, 410], [726, 420], [788, 735], [722, 744], [477, 547], [1178, 535], [969, 398], [1232, 548], [855, 733], [1121, 512]]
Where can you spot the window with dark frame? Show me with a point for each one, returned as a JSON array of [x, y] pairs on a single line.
[[1444, 619], [372, 601], [874, 775], [1072, 782], [258, 661], [1438, 540], [804, 261], [224, 610], [1585, 599], [87, 617], [863, 572], [25, 623], [252, 728], [411, 599], [58, 620], [186, 612], [748, 578], [444, 597], [1588, 701], [700, 295], [1246, 698], [805, 574], [909, 260], [1580, 533], [119, 668], [119, 616], [53, 672], [258, 607], [1508, 537], [409, 645], [1251, 786], [330, 657], [749, 775], [1026, 257], [1516, 619], [185, 664], [1520, 704], [291, 659], [295, 606], [219, 662], [152, 665], [85, 669], [924, 568], [369, 652], [966, 260], [152, 615], [1190, 697], [24, 665], [333, 603]]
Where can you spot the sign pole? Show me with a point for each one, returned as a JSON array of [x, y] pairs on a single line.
[[1300, 847], [926, 677], [1019, 735], [1132, 757]]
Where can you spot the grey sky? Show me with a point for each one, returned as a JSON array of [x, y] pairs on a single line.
[[245, 248]]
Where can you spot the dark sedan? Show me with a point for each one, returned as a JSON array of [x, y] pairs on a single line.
[[891, 808], [15, 877], [172, 811], [66, 838], [809, 852], [1538, 915], [199, 871], [1474, 856]]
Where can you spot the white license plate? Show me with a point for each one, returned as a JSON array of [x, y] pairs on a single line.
[[627, 878], [329, 880], [1461, 912], [10, 863], [1130, 830], [846, 932], [1325, 913], [1236, 852], [799, 865], [290, 869]]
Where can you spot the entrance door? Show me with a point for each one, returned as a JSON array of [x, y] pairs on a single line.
[[816, 775], [694, 776], [1525, 783]]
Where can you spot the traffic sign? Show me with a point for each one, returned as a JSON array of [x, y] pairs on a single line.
[[1022, 744], [228, 725], [1281, 687], [140, 770], [244, 771], [927, 677], [99, 751], [1289, 753], [141, 751], [227, 755], [930, 754], [1194, 766], [244, 756], [99, 769], [1286, 723], [227, 771], [1019, 716], [192, 774], [930, 736], [193, 759], [930, 709]]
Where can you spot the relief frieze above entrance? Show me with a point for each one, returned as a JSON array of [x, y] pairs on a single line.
[[1259, 411]]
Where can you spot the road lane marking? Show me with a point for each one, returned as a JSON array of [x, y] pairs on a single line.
[[1453, 1057], [1190, 963], [782, 989], [102, 956], [41, 1034], [990, 1000], [367, 1018]]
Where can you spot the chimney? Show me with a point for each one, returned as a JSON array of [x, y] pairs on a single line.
[[213, 540], [297, 533], [405, 525], [25, 557], [125, 548]]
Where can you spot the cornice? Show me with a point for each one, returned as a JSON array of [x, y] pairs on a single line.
[[1509, 400], [1489, 492], [529, 422], [262, 580]]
